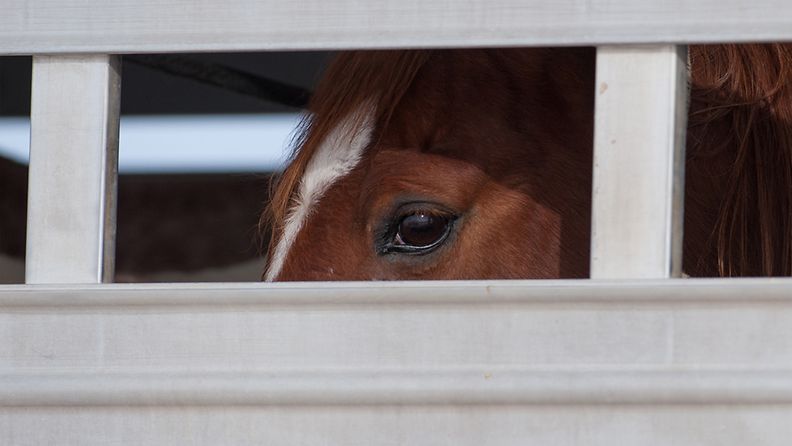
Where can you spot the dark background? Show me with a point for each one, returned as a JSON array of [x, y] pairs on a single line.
[[146, 91]]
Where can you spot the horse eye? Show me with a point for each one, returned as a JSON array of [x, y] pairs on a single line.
[[419, 232], [421, 229]]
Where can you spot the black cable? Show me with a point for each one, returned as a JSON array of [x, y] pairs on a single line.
[[226, 77]]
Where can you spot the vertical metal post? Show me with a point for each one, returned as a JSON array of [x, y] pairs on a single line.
[[639, 156], [73, 169]]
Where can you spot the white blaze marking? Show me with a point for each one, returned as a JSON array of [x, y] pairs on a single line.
[[338, 154]]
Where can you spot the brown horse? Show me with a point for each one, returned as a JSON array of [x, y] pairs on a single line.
[[474, 164]]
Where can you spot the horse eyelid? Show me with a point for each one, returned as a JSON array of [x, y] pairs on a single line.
[[388, 247]]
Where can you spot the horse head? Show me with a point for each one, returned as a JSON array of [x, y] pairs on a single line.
[[441, 164], [477, 164]]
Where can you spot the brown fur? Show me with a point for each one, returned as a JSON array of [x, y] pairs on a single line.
[[740, 161], [504, 136]]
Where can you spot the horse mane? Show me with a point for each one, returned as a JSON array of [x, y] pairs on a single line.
[[741, 108], [352, 80]]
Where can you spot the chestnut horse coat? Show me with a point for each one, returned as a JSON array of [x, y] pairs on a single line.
[[469, 164]]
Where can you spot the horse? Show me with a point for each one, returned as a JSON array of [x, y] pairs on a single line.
[[477, 164]]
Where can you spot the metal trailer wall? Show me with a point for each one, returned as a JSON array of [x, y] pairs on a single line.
[[632, 356]]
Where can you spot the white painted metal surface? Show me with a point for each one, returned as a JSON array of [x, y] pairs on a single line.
[[120, 26], [513, 362], [639, 159], [73, 163], [476, 425]]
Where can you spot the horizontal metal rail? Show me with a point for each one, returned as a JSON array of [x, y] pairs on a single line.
[[480, 386], [664, 292], [131, 26], [666, 342]]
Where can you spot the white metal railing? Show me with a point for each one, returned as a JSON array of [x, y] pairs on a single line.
[[74, 119], [639, 161], [130, 26], [652, 361], [670, 361]]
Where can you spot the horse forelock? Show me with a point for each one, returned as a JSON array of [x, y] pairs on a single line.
[[357, 95], [338, 154]]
